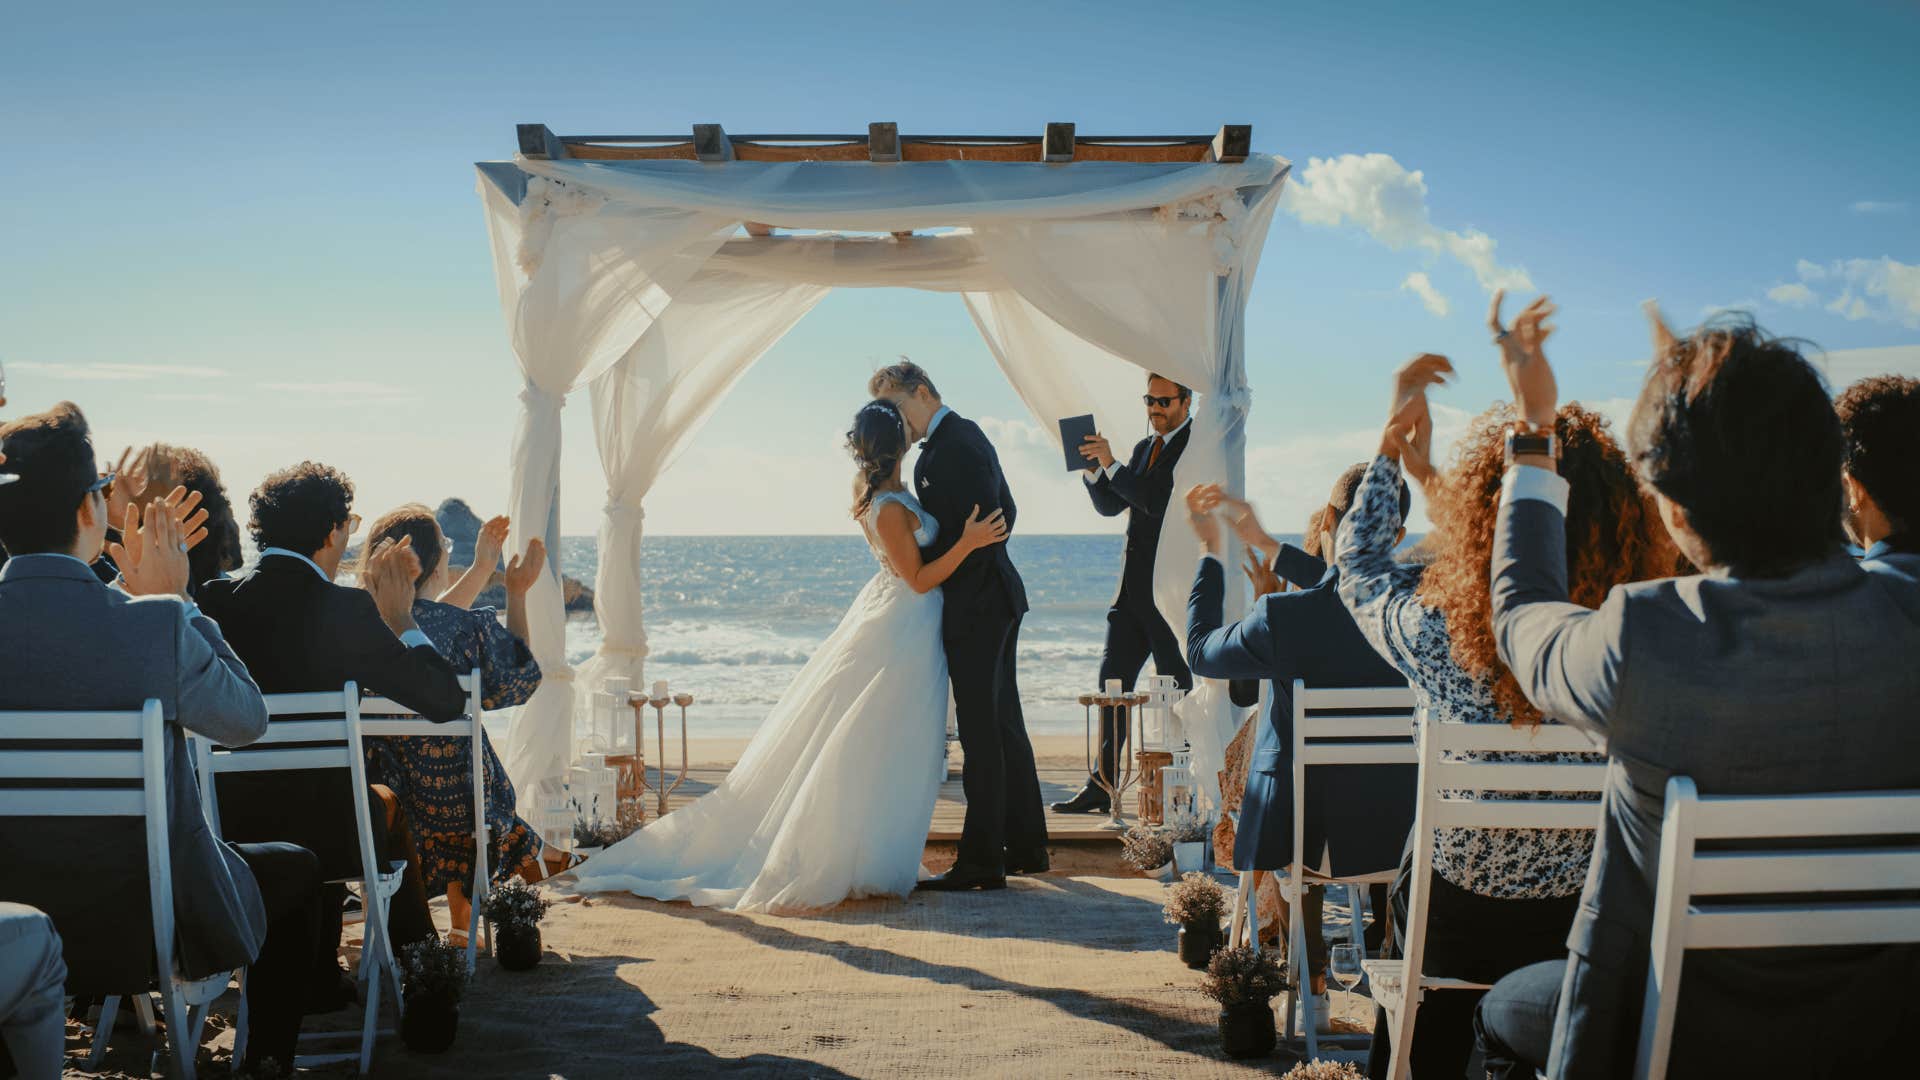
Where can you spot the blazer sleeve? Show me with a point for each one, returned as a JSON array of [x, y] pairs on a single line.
[[215, 695], [1568, 660], [419, 677], [1105, 502]]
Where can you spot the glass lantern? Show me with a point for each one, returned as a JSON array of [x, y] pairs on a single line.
[[1176, 785], [610, 722], [1157, 722], [592, 788]]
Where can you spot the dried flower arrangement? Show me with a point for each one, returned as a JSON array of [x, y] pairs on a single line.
[[592, 830], [1186, 829], [1243, 976], [1145, 849], [1318, 1069], [432, 968], [515, 903], [1196, 899]]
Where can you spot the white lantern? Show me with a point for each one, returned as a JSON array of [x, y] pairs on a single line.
[[1157, 722], [609, 727], [592, 788], [1176, 785]]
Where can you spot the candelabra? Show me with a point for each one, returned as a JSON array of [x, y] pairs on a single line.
[[1126, 709], [660, 699]]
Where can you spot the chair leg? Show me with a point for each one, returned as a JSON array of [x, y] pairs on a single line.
[[1300, 975], [103, 1030], [143, 1012], [370, 1019], [1240, 917], [179, 1030], [1356, 925], [240, 1024]]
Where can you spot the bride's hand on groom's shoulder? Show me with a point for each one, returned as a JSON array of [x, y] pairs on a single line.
[[984, 531]]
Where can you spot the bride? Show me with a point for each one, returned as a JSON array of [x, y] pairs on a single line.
[[832, 798]]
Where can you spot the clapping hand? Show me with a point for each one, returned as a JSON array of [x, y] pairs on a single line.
[[524, 569], [1262, 576], [129, 483], [1410, 422], [392, 569], [1246, 525], [1202, 501], [984, 531], [153, 545], [491, 542], [1523, 357]]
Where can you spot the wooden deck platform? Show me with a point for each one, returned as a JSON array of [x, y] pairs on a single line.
[[1055, 785]]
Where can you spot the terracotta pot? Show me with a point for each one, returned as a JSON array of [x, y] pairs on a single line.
[[1198, 942], [516, 947], [1246, 1031], [429, 1024]]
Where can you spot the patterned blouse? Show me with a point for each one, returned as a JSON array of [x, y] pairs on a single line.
[[1507, 864], [432, 775]]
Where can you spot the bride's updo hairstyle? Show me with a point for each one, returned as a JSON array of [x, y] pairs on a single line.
[[877, 441]]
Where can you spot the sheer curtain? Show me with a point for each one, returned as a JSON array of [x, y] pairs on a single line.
[[646, 409], [580, 281]]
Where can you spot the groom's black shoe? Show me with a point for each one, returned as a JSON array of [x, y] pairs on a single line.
[[1091, 800], [1030, 862], [963, 878]]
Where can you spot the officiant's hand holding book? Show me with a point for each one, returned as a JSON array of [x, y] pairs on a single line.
[[1078, 438]]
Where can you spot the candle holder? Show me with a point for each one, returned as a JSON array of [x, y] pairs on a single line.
[[662, 787], [1126, 707]]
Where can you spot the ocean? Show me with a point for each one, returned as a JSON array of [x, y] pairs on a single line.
[[731, 619]]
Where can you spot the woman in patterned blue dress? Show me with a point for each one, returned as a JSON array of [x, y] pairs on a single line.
[[432, 775], [1500, 898]]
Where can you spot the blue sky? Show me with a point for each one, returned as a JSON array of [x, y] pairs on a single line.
[[253, 227]]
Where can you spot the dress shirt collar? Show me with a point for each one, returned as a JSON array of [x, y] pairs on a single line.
[[1169, 435], [264, 552], [933, 425], [1895, 543]]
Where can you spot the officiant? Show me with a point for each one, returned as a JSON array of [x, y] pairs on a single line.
[[1140, 487]]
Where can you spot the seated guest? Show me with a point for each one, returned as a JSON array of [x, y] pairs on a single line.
[[166, 467], [1787, 667], [298, 631], [69, 642], [33, 1033], [1499, 898], [1357, 819], [433, 777], [1880, 471]]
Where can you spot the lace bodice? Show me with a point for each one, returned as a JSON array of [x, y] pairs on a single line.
[[922, 536]]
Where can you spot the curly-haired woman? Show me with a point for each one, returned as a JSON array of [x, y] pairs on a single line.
[[1500, 899]]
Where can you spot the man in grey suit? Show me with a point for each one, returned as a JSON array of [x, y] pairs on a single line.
[[1786, 667], [69, 642]]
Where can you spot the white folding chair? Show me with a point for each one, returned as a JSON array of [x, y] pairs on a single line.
[[1331, 726], [79, 780], [322, 731], [1691, 908], [1399, 992], [390, 719]]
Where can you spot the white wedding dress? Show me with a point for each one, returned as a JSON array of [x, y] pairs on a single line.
[[832, 798]]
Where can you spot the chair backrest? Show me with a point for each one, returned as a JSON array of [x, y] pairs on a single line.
[[1857, 894], [110, 779], [385, 716], [314, 730], [1346, 726]]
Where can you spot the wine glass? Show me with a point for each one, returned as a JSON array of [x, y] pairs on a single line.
[[1344, 966]]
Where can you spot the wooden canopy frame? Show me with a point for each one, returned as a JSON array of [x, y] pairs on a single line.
[[883, 143]]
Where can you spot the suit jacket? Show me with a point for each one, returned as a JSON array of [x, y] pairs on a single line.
[[1359, 813], [957, 471], [69, 642], [299, 632], [1750, 686], [1142, 494]]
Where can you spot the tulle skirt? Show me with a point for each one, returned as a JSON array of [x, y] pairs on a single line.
[[832, 798]]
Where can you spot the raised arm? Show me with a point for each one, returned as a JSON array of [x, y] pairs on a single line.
[[895, 525], [486, 559]]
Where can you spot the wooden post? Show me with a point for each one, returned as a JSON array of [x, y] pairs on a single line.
[[710, 143], [1057, 144], [883, 142], [539, 142], [1233, 143]]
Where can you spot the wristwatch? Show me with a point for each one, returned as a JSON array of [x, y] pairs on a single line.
[[1525, 440]]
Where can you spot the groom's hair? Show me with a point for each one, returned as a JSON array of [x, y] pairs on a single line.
[[904, 377]]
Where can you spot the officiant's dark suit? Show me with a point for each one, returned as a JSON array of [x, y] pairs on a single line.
[[299, 632], [984, 600], [1139, 488]]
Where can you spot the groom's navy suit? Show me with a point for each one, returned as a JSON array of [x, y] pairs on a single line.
[[984, 600]]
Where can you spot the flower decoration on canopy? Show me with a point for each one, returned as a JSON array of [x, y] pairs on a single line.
[[545, 201], [1223, 212]]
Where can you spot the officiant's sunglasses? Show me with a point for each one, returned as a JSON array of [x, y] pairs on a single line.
[[1164, 402]]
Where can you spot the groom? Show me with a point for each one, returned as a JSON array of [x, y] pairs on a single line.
[[1005, 830]]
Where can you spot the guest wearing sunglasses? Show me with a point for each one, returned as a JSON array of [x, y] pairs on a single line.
[[1139, 488]]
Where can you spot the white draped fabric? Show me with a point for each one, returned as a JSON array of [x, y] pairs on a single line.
[[1080, 278]]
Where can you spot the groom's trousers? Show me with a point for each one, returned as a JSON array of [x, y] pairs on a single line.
[[1002, 786]]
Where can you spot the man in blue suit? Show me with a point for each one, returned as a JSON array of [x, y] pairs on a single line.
[[1306, 634]]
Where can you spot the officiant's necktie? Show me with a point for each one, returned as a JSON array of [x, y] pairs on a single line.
[[1154, 454]]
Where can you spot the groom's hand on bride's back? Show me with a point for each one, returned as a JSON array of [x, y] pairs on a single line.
[[984, 531]]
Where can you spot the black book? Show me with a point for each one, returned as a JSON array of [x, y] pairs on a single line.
[[1074, 431]]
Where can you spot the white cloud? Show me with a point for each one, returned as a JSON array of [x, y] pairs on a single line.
[[344, 390], [1793, 294], [1419, 284], [1870, 206], [1381, 196], [114, 372], [1882, 290]]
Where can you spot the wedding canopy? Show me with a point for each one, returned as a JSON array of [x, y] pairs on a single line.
[[648, 270]]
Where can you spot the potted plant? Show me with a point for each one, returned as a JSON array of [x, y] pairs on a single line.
[[1244, 980], [1148, 851], [1195, 904], [515, 909], [591, 832], [1189, 836], [435, 975], [1321, 1069]]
